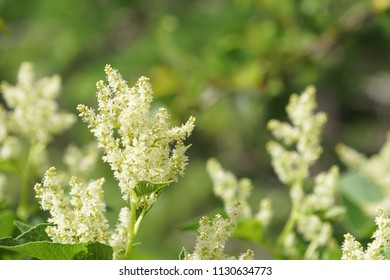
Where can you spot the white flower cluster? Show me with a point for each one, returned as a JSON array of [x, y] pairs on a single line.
[[265, 213], [304, 134], [213, 235], [28, 122], [138, 145], [230, 190], [377, 168], [78, 219], [34, 112], [119, 238], [353, 250], [314, 227], [292, 159]]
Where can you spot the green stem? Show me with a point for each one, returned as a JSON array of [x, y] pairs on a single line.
[[139, 220], [289, 226], [132, 226], [296, 198]]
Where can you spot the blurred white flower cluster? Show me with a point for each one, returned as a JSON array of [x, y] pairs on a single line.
[[230, 190], [215, 232], [353, 250], [79, 161], [213, 235], [300, 140], [297, 150], [29, 120], [138, 145], [316, 210], [32, 109], [377, 168]]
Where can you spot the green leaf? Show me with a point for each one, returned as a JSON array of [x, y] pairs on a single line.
[[359, 188], [357, 222], [357, 191], [35, 243], [145, 188], [36, 233], [250, 230], [7, 227]]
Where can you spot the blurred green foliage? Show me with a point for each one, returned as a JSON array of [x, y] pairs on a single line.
[[232, 64]]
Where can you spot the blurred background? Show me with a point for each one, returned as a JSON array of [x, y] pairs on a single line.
[[232, 64]]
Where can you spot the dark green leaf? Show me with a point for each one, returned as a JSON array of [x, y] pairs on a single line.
[[145, 188], [35, 243]]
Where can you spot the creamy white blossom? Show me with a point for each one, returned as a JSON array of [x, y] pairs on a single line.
[[297, 148], [265, 213], [353, 250], [118, 238], [138, 145], [34, 111], [10, 148], [213, 235], [78, 219], [304, 134], [323, 196], [9, 145], [229, 188], [322, 200]]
